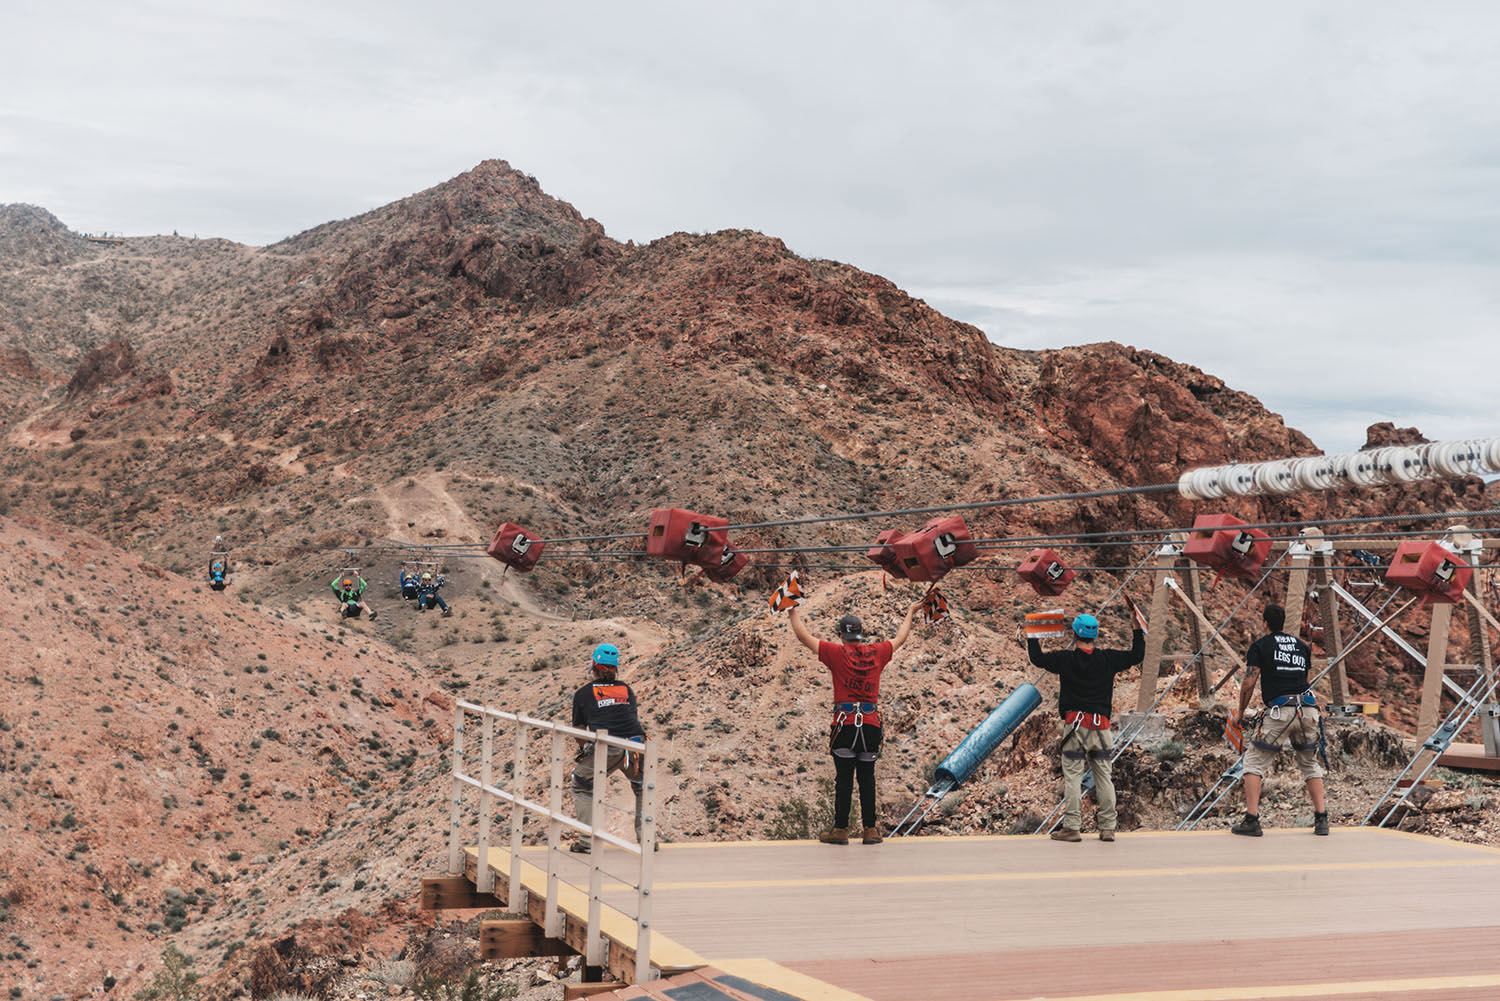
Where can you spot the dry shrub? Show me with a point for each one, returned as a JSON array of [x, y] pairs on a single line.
[[444, 953], [747, 650]]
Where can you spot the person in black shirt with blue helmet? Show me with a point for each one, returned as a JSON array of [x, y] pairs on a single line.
[[605, 704], [1085, 699], [1279, 662]]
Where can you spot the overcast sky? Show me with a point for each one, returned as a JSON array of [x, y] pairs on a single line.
[[1300, 198]]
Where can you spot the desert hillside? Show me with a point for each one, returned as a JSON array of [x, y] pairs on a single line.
[[212, 770]]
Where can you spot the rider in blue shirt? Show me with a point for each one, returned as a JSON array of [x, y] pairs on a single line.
[[427, 594]]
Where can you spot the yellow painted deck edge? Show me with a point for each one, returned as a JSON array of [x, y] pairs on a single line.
[[666, 953]]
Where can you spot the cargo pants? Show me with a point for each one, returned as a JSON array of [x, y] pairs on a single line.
[[583, 787], [1084, 749]]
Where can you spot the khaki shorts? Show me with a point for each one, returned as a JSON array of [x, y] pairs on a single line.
[[1285, 726]]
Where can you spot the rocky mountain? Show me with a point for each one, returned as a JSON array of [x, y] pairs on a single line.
[[392, 387]]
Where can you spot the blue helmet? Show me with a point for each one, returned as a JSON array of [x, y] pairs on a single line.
[[1085, 627], [606, 656]]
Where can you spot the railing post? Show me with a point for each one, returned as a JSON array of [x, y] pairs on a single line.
[[643, 971], [484, 877], [552, 918], [516, 897], [593, 953], [455, 848]]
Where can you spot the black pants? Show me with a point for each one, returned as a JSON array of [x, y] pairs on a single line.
[[855, 749]]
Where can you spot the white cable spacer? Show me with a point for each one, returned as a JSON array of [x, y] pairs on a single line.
[[1403, 464], [1492, 455], [1359, 468], [1238, 479], [1275, 477]]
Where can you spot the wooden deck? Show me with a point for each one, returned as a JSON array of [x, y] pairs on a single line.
[[1469, 756], [1199, 916]]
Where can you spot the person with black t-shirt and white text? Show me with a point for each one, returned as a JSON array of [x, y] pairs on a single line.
[[855, 733], [1279, 662]]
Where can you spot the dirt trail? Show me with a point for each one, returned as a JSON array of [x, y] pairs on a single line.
[[285, 458], [22, 436], [420, 509]]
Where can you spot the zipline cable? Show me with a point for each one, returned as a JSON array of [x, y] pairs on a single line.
[[987, 544]]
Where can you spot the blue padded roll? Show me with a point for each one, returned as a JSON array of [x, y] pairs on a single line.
[[998, 725]]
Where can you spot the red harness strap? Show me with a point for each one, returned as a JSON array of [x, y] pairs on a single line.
[[1089, 721]]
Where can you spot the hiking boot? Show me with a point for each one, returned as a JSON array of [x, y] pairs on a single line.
[[447, 612], [580, 846], [1249, 827], [372, 615], [1066, 834], [1320, 823], [837, 836], [1107, 835], [872, 836]]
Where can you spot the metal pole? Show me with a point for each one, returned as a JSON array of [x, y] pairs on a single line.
[[593, 953], [643, 970], [484, 877], [455, 848], [516, 897], [552, 917]]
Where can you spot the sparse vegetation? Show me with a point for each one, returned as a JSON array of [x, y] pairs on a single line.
[[174, 981]]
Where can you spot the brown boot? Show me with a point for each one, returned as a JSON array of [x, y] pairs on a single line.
[[1066, 834], [872, 836], [1106, 835], [837, 836]]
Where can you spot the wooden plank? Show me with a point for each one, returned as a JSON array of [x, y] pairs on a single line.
[[1200, 667], [1480, 620], [1328, 615], [732, 900], [1156, 637], [516, 938], [973, 906], [1229, 968], [1432, 677], [440, 893], [1469, 756], [1296, 585]]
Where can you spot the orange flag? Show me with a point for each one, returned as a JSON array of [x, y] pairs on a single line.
[[788, 595], [1234, 732], [1048, 623]]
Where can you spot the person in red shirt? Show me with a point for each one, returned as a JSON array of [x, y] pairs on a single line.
[[855, 734]]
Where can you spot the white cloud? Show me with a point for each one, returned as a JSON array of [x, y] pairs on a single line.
[[1332, 345], [1202, 179]]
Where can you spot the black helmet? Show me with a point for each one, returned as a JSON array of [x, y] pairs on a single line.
[[851, 630]]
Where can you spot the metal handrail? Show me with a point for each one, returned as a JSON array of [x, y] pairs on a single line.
[[557, 819]]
